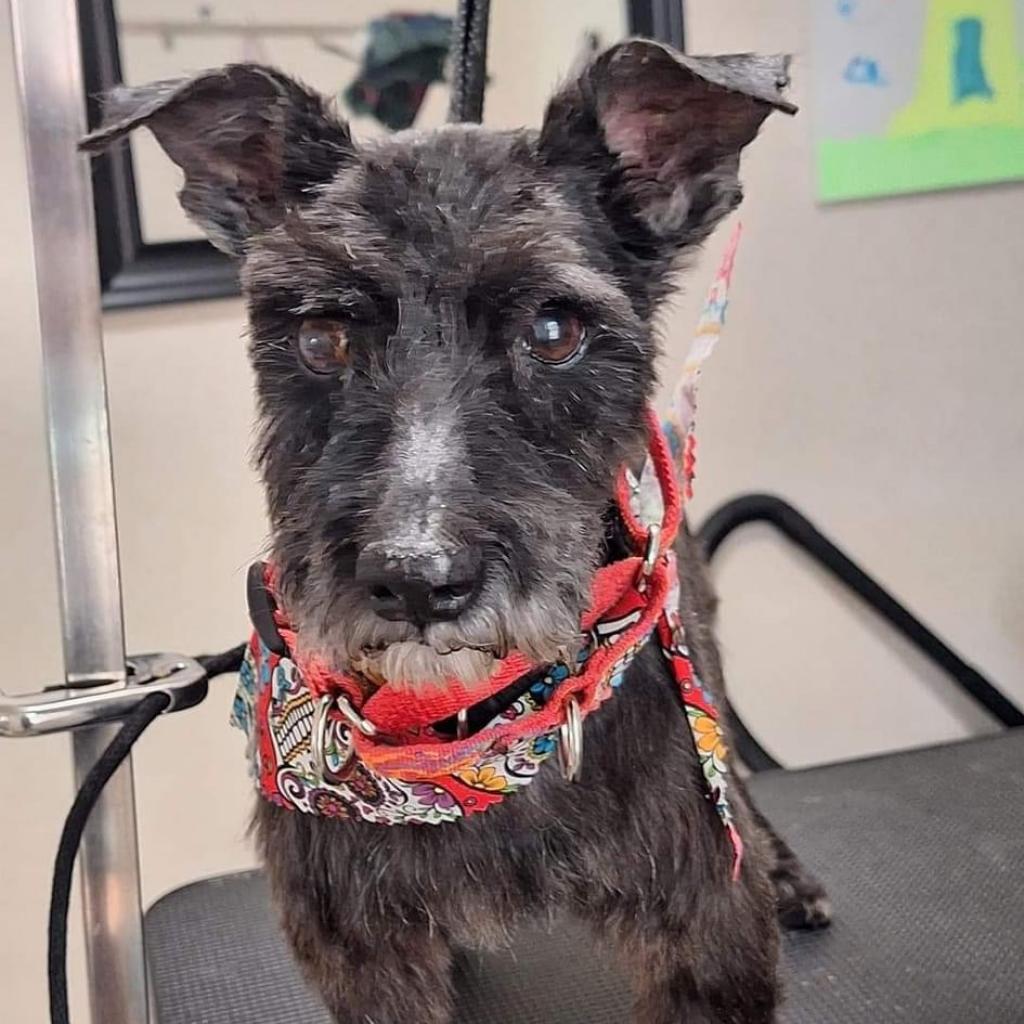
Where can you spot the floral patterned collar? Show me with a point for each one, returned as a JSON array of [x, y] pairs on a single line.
[[317, 745]]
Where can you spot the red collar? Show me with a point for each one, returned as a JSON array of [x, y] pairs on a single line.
[[390, 725], [319, 745]]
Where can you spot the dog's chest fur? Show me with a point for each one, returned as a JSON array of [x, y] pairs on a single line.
[[556, 846]]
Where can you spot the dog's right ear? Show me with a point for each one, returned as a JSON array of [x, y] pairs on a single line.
[[667, 131], [251, 141]]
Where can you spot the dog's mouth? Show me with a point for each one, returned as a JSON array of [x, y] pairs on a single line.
[[542, 627], [413, 663]]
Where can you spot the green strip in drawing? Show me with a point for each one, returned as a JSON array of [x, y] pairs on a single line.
[[948, 158]]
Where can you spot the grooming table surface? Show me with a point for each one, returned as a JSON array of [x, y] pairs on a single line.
[[922, 852]]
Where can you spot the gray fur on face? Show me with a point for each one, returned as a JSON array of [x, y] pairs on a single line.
[[541, 623]]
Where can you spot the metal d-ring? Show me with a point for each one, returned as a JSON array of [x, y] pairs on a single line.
[[652, 552], [462, 723], [653, 549], [318, 739], [570, 741]]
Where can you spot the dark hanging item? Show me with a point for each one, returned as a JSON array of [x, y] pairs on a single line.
[[469, 61], [404, 55]]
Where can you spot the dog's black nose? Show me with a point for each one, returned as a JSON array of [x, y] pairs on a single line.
[[426, 587]]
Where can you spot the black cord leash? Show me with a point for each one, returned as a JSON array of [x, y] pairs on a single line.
[[135, 724], [223, 664], [469, 65], [149, 708]]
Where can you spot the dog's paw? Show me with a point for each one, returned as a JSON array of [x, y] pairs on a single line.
[[803, 903]]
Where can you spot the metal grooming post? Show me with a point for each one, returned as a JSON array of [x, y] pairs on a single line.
[[67, 281]]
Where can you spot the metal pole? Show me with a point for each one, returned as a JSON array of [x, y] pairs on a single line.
[[49, 67]]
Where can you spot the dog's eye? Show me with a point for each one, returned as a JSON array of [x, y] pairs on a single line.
[[322, 346], [555, 336]]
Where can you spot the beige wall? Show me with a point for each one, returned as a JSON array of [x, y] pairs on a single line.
[[870, 372]]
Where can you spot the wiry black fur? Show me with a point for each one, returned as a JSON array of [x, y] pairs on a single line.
[[435, 251]]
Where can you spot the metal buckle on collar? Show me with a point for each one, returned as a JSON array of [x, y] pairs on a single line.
[[318, 739], [570, 741]]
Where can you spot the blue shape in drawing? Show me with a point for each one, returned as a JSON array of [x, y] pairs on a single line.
[[846, 8], [968, 71], [864, 71]]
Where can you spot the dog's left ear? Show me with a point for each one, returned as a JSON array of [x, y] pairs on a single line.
[[251, 141], [668, 130]]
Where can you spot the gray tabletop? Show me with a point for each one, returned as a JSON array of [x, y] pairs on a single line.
[[923, 854]]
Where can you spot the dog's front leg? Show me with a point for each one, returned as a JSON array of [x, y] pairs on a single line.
[[699, 948], [356, 928], [705, 961], [395, 976]]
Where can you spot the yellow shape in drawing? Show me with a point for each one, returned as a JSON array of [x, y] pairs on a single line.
[[970, 72]]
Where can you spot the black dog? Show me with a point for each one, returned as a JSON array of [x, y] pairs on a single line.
[[452, 336]]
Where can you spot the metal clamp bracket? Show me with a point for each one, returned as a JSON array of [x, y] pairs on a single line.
[[60, 708]]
